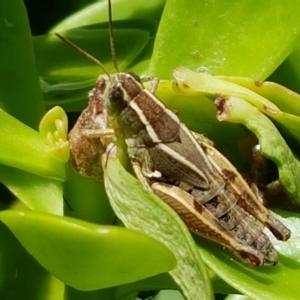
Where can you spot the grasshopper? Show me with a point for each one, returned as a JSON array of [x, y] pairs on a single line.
[[181, 167], [189, 174]]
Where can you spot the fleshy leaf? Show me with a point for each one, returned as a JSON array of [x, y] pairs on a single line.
[[20, 93], [23, 148], [225, 37], [290, 248], [288, 120], [20, 273], [237, 297], [122, 10], [195, 84], [273, 146], [87, 256], [147, 213], [191, 83], [67, 76], [159, 282], [95, 208], [288, 73], [285, 99], [36, 192]]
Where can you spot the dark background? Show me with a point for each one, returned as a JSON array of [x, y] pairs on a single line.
[[44, 14]]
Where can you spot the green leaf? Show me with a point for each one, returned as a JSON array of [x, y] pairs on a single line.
[[131, 37], [225, 37], [287, 120], [290, 248], [19, 86], [169, 295], [237, 297], [147, 213], [122, 10], [193, 84], [285, 99], [272, 144], [87, 199], [159, 282], [36, 192], [87, 256], [288, 73], [24, 148], [67, 75], [165, 282], [74, 294], [20, 273]]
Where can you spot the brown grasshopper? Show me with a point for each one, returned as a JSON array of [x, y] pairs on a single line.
[[189, 174], [181, 167]]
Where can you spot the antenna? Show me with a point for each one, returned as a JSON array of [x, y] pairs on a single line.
[[111, 38], [98, 62]]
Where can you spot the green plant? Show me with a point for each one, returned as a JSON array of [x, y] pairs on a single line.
[[103, 261]]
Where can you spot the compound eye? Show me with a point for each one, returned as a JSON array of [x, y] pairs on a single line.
[[135, 76]]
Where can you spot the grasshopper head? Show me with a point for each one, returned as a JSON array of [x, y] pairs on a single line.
[[119, 90]]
